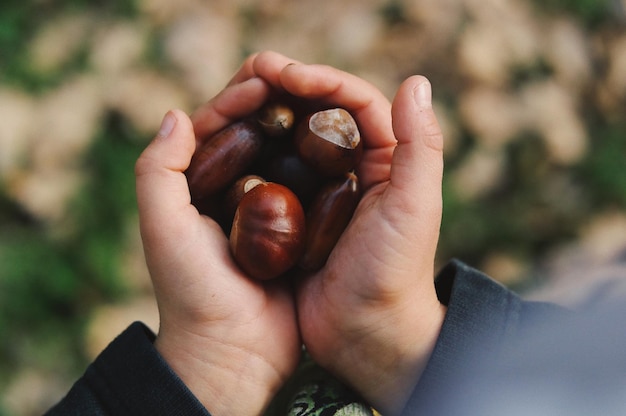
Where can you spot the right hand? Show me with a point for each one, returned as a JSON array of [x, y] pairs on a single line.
[[371, 315]]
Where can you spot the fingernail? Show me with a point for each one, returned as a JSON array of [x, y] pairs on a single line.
[[167, 125], [423, 95], [289, 65]]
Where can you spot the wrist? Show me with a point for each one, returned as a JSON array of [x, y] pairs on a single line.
[[226, 379], [385, 367], [400, 376]]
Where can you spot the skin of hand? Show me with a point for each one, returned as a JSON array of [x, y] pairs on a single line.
[[371, 315], [232, 340]]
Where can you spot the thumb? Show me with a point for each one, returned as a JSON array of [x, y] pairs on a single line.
[[417, 165], [161, 185]]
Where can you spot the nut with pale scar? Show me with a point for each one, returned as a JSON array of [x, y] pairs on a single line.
[[268, 232], [329, 141], [236, 192]]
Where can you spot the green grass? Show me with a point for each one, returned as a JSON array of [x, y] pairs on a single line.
[[20, 20], [592, 12], [604, 170]]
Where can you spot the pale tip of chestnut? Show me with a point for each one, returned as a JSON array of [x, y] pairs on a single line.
[[336, 126], [237, 190], [268, 232], [330, 142]]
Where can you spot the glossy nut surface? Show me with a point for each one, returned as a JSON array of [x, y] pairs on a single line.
[[236, 192], [268, 232], [223, 158], [327, 218], [276, 119], [329, 141]]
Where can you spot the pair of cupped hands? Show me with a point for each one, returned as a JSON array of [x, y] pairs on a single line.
[[370, 316]]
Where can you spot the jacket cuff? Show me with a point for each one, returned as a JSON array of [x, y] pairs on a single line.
[[481, 313], [131, 378]]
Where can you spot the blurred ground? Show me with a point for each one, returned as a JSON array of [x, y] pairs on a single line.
[[531, 97]]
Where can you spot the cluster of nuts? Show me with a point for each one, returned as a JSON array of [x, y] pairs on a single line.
[[281, 185]]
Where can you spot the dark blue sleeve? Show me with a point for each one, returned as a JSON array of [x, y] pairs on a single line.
[[499, 354], [130, 378], [481, 314]]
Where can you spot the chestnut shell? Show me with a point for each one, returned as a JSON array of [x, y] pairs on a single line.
[[329, 141], [268, 232], [236, 191], [223, 158], [327, 218]]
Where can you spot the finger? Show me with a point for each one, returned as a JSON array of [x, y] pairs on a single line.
[[161, 186], [417, 165], [232, 103], [331, 86], [245, 72], [366, 103], [268, 65]]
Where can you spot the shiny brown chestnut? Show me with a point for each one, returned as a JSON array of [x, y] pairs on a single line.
[[276, 119], [327, 218], [234, 194], [223, 158], [268, 232], [329, 141]]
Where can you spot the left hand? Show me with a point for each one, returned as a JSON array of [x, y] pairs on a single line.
[[233, 340]]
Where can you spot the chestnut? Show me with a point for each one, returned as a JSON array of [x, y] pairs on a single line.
[[288, 169], [329, 141], [327, 218], [223, 158], [236, 191], [276, 119], [268, 232]]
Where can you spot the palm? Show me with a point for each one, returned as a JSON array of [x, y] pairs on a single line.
[[262, 312], [343, 297], [215, 298], [217, 311]]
